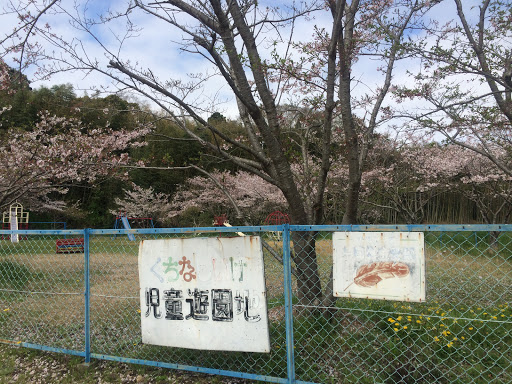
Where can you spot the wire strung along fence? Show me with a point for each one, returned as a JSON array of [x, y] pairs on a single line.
[[84, 299]]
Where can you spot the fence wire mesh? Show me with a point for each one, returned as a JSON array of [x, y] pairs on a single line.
[[116, 308], [41, 293], [460, 334]]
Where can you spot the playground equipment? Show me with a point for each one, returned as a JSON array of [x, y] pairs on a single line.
[[125, 222], [277, 218], [222, 220], [15, 219], [218, 221], [75, 245], [133, 222]]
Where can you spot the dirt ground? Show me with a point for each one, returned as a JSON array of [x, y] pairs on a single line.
[[22, 365]]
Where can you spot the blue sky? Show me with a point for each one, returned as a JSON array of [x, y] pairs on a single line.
[[155, 48]]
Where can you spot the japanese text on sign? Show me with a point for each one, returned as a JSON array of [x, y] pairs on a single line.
[[204, 293]]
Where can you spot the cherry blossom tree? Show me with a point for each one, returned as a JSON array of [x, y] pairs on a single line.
[[46, 159], [406, 179], [322, 80], [144, 202], [407, 176], [464, 79], [4, 76], [253, 197], [232, 36], [55, 154], [473, 176]]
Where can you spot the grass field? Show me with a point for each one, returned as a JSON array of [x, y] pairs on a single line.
[[461, 334]]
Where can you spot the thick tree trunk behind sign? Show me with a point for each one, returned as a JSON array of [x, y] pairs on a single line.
[[309, 290]]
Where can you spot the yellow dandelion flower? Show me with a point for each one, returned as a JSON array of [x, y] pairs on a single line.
[[405, 326], [463, 338], [470, 328], [391, 320], [418, 321], [395, 329], [449, 345], [436, 338], [399, 318]]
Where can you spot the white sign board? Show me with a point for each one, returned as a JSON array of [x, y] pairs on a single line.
[[379, 265], [204, 293]]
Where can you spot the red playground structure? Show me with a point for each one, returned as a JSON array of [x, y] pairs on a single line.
[[277, 218], [219, 221], [133, 222]]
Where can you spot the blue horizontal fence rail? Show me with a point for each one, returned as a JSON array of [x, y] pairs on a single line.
[[462, 334]]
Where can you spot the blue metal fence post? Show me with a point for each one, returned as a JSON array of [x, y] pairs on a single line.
[[87, 298], [290, 355]]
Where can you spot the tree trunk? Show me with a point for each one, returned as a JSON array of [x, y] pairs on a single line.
[[494, 241], [309, 290], [345, 46]]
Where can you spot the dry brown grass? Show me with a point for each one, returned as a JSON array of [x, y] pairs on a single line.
[[115, 275]]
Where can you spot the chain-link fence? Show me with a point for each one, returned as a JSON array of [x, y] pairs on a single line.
[[77, 292]]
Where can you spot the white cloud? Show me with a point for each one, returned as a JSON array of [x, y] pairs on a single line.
[[156, 47]]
